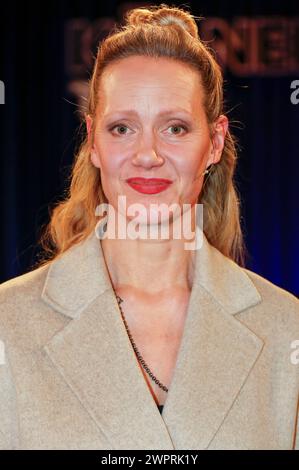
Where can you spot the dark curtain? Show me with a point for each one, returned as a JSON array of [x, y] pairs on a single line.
[[40, 128]]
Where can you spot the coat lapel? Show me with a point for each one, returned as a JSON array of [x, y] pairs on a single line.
[[94, 355]]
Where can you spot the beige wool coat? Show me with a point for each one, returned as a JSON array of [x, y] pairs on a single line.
[[69, 378]]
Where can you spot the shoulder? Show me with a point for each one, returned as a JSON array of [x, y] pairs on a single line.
[[21, 309], [272, 293], [278, 311], [24, 287]]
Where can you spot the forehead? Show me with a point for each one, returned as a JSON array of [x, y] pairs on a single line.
[[140, 81]]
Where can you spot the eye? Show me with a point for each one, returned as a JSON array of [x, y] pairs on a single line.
[[178, 126], [121, 126]]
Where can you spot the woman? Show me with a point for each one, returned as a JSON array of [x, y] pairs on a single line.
[[107, 331]]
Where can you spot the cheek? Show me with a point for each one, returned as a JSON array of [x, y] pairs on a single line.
[[190, 170], [190, 165], [109, 163], [110, 166]]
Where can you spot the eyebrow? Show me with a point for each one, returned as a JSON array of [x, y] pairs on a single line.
[[163, 113]]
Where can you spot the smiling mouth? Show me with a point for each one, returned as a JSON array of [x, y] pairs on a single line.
[[149, 185], [149, 181]]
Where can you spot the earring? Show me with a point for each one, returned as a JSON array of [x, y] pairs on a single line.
[[208, 170]]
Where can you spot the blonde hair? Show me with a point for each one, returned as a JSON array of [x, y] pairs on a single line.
[[157, 31]]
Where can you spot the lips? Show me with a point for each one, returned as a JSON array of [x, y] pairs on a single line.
[[149, 181], [149, 185]]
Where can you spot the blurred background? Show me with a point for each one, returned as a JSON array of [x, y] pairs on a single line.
[[46, 57]]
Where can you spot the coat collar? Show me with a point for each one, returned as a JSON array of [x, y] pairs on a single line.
[[80, 275], [216, 355]]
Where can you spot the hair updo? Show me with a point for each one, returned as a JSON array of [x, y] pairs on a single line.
[[167, 32], [163, 15]]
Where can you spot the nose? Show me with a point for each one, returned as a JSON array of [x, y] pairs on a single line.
[[147, 157]]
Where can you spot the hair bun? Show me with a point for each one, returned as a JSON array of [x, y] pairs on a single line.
[[139, 16], [163, 15]]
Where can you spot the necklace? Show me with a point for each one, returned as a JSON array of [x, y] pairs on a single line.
[[139, 357]]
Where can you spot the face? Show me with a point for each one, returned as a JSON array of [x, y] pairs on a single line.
[[151, 123]]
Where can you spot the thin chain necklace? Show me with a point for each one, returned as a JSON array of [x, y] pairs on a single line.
[[139, 357]]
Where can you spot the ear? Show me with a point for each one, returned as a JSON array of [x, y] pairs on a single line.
[[93, 154], [218, 138]]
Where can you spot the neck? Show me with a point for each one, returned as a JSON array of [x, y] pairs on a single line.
[[147, 265]]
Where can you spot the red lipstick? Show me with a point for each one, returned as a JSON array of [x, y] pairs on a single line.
[[149, 185]]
